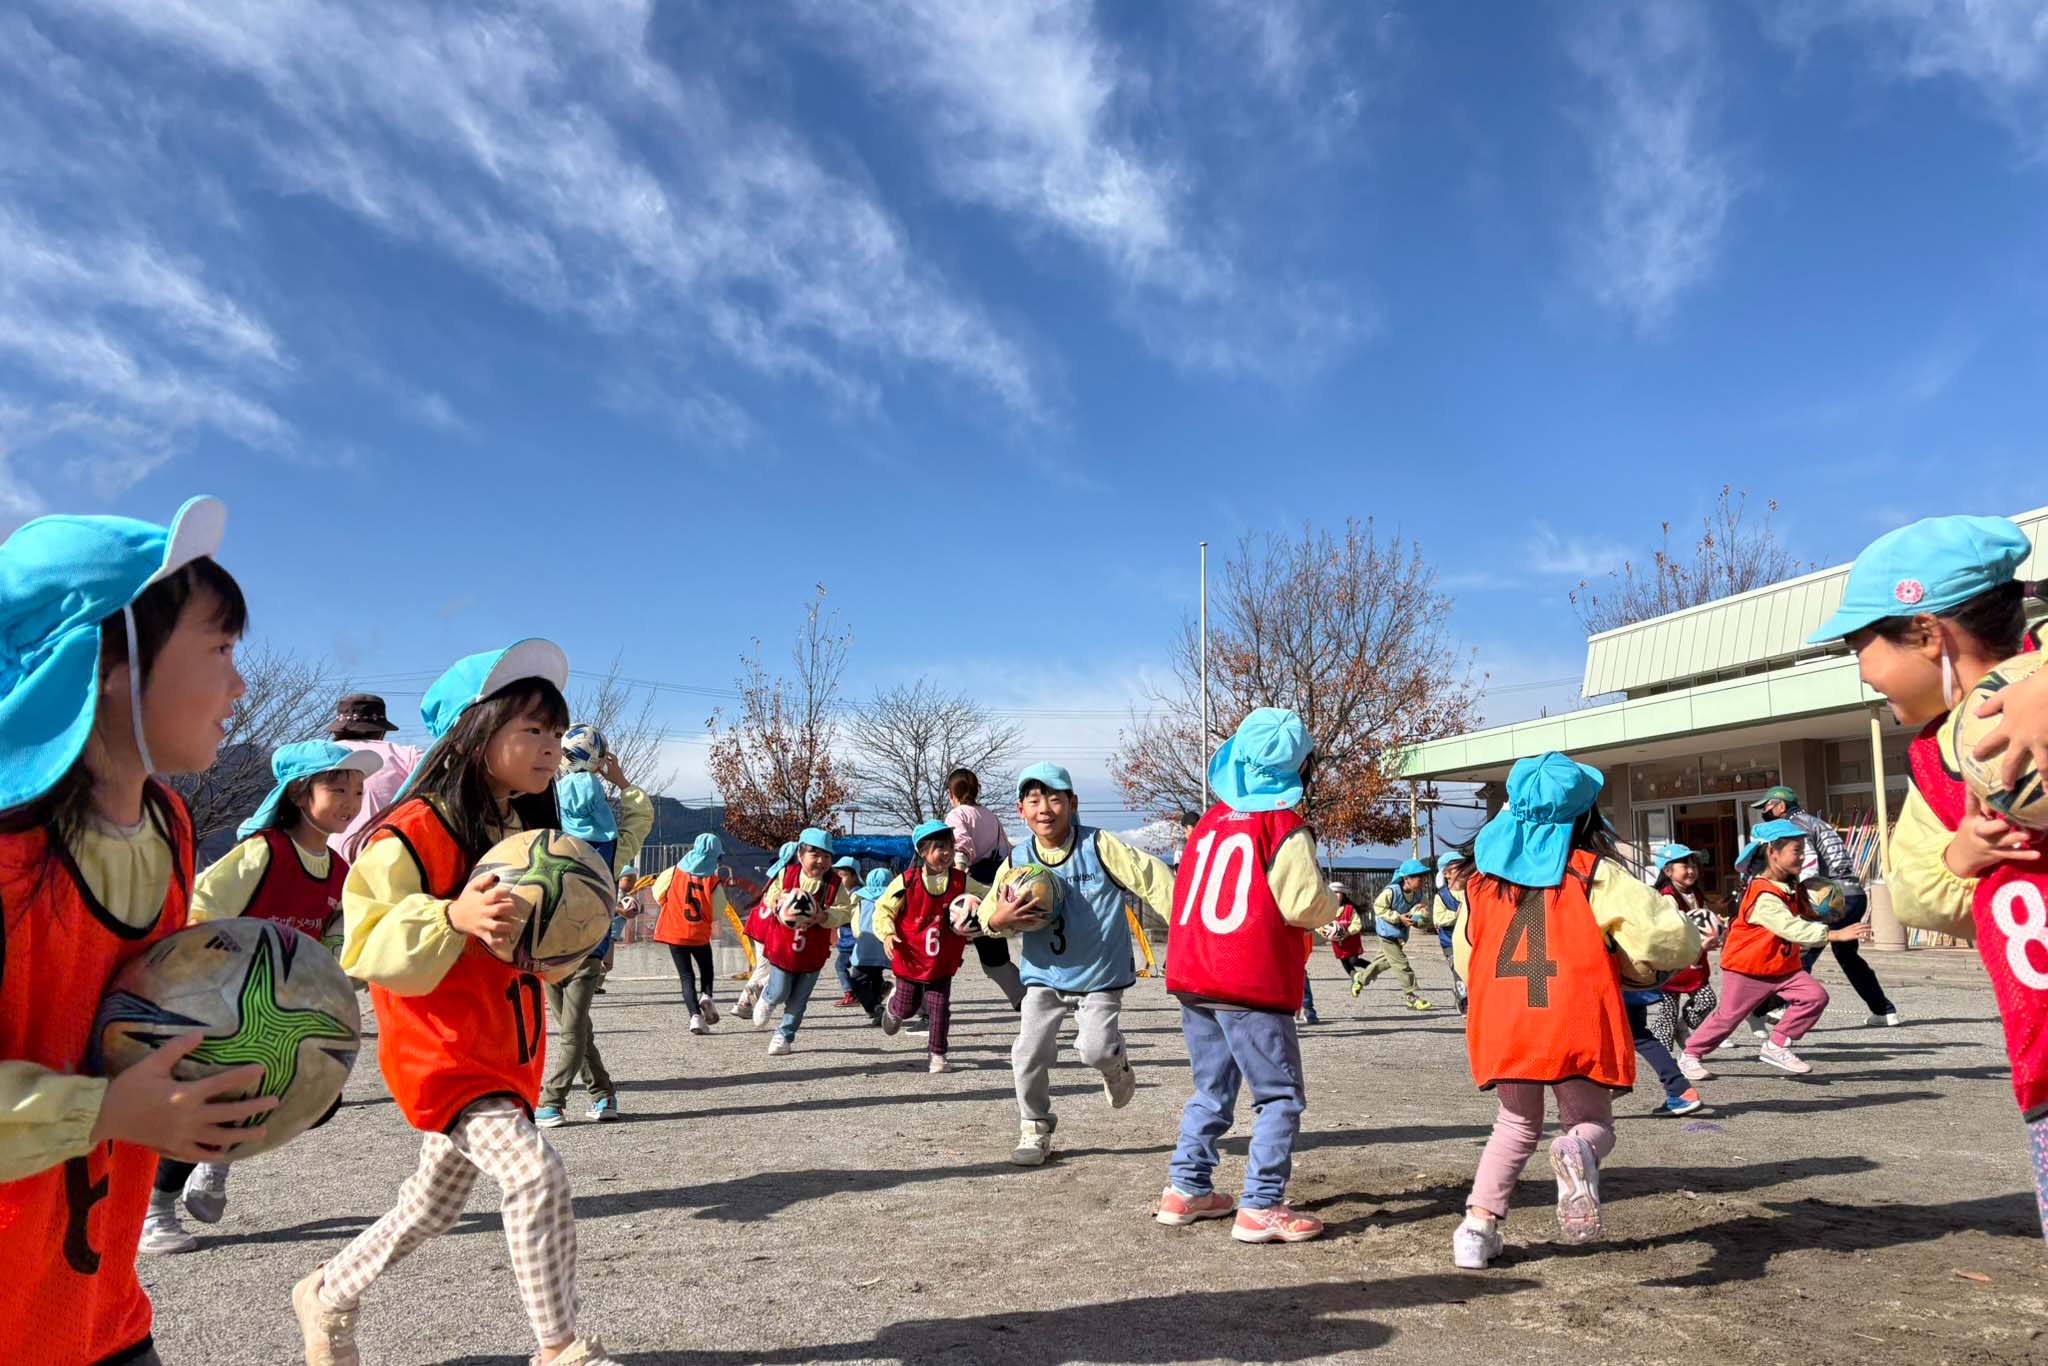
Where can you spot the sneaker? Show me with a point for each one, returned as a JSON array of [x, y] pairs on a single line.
[[1177, 1209], [763, 1008], [1357, 983], [1578, 1188], [1034, 1143], [939, 1064], [549, 1117], [1890, 1019], [1301, 1016], [708, 1009], [1417, 1003], [744, 1002], [605, 1108], [1778, 1055], [1275, 1224], [329, 1334], [778, 1047], [1775, 1015], [1308, 1017], [206, 1192], [1683, 1104], [697, 1025], [1693, 1068], [1120, 1086], [1475, 1243], [890, 1024], [162, 1233], [583, 1352], [845, 1001]]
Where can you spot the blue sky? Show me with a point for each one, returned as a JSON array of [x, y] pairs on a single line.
[[629, 323]]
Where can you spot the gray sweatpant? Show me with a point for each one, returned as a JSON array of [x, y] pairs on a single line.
[[1099, 1041]]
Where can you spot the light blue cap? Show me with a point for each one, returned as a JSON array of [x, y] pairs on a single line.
[[1766, 833], [702, 860], [1935, 565], [59, 578], [782, 858], [815, 838], [289, 763], [878, 881], [1669, 854], [469, 681], [1451, 858], [1414, 867], [848, 862], [1052, 775], [1259, 768], [1528, 841], [927, 830]]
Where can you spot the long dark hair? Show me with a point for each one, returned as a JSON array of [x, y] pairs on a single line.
[[452, 775], [65, 808]]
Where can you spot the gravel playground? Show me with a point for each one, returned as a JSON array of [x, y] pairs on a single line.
[[841, 1205]]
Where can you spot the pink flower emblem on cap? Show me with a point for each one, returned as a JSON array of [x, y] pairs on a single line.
[[1909, 591]]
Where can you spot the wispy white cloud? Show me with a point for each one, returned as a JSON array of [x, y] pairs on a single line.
[[1664, 182], [1549, 553]]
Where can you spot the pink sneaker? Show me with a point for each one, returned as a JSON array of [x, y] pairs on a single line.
[[1177, 1209], [1275, 1224], [1578, 1188]]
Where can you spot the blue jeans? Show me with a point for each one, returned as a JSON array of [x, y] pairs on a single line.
[[792, 991], [1648, 1046], [1259, 1049], [1308, 994], [843, 963]]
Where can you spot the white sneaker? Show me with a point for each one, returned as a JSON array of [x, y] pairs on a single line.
[[778, 1047], [584, 1352], [697, 1025], [1777, 1055], [1890, 1019], [939, 1063], [206, 1192], [1774, 1016], [1120, 1086], [707, 1008], [162, 1233], [1759, 1033], [1034, 1143], [763, 1008], [1578, 1188], [1475, 1244], [1693, 1069]]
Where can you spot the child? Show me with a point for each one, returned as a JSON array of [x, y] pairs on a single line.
[[1688, 994], [914, 920], [1548, 913], [1347, 939], [119, 666], [1760, 957], [1246, 889], [1076, 951], [795, 942], [569, 1001], [1452, 869], [691, 896], [842, 962], [757, 980], [1930, 609], [284, 871], [980, 845], [1401, 904], [870, 954], [584, 811], [461, 1033]]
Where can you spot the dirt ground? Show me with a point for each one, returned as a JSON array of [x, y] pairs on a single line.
[[840, 1205]]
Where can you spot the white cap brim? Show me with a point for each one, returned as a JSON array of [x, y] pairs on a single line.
[[361, 761], [196, 532], [530, 658]]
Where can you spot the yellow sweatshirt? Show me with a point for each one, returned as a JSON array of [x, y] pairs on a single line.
[[1447, 916], [398, 936], [890, 904], [839, 911], [1925, 894], [46, 1117], [1132, 868], [1774, 913], [1644, 924], [229, 884]]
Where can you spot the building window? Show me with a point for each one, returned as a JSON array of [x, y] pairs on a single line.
[[1663, 780], [1847, 762], [1739, 770]]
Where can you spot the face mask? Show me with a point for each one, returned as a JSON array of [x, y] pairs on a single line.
[[135, 691], [1948, 678]]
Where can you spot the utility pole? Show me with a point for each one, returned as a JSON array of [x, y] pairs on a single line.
[[1202, 746]]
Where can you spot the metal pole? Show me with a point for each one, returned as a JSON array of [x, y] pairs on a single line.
[[1202, 749], [1881, 812], [1431, 810], [1414, 823]]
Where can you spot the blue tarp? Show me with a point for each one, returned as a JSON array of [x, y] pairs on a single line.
[[895, 848]]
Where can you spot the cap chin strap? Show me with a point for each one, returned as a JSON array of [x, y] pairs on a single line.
[[135, 691], [1948, 678]]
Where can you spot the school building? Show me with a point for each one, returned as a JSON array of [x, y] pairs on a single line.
[[1691, 716]]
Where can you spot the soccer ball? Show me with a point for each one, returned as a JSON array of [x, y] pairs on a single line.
[[261, 994], [2025, 803], [965, 913], [1827, 900], [800, 908], [1032, 884], [568, 894], [583, 749]]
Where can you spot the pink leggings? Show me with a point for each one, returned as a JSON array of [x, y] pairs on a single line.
[[1741, 994], [1584, 1108]]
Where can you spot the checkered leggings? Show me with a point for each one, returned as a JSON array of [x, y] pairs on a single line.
[[493, 1136]]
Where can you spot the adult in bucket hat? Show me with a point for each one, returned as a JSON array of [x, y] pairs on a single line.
[[360, 724]]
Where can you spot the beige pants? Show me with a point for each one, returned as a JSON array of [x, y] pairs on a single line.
[[495, 1137]]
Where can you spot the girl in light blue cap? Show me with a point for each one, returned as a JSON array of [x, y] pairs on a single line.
[[797, 925], [117, 642], [757, 979], [283, 870]]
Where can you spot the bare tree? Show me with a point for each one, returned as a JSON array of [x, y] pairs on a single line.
[[288, 699], [772, 762], [1728, 558], [632, 732], [909, 737], [1351, 633]]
